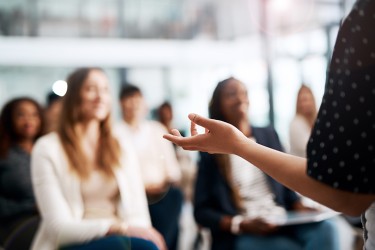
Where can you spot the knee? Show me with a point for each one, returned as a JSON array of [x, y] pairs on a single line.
[[142, 244], [328, 227]]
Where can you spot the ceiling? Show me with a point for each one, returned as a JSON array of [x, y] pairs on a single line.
[[166, 19]]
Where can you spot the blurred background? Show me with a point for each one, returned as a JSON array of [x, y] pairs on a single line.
[[175, 50]]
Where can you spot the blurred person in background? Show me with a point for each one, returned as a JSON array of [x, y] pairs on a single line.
[[303, 122], [299, 133], [237, 201], [52, 111], [165, 115], [21, 124], [339, 170], [87, 183], [187, 164], [159, 166]]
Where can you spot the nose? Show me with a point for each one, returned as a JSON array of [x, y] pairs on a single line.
[[100, 94], [28, 118], [242, 97]]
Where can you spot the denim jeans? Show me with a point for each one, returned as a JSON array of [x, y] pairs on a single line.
[[114, 243], [320, 235]]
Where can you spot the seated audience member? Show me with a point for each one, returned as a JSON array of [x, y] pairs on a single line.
[[87, 183], [185, 160], [299, 133], [165, 115], [235, 200], [21, 123], [52, 111], [159, 167]]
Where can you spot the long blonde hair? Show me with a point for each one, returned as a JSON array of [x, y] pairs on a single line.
[[309, 118], [108, 155]]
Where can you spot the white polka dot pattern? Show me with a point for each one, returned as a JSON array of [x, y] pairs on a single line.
[[341, 147]]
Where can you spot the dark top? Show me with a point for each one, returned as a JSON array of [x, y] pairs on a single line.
[[212, 198], [341, 149], [16, 193]]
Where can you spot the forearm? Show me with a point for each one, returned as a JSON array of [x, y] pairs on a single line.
[[291, 171]]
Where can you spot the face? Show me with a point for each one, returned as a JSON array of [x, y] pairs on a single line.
[[133, 107], [26, 120], [306, 102], [166, 113], [95, 97], [234, 100]]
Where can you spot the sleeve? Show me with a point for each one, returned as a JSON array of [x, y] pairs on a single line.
[[9, 207], [206, 209], [341, 147], [56, 213], [290, 197], [136, 194]]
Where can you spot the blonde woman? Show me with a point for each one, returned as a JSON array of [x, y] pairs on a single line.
[[303, 121], [87, 184], [299, 134]]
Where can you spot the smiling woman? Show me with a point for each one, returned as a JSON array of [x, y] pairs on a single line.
[[21, 124], [87, 183]]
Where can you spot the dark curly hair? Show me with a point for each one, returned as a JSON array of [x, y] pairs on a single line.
[[8, 133]]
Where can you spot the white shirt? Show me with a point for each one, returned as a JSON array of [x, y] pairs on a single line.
[[156, 155], [299, 134], [254, 190]]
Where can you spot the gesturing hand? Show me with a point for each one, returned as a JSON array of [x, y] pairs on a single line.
[[219, 137]]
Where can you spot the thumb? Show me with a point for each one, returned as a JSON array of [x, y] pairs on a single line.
[[201, 121]]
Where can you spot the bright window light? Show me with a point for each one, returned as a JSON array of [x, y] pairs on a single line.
[[60, 87], [281, 5]]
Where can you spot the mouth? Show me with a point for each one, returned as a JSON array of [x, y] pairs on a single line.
[[241, 106], [29, 129]]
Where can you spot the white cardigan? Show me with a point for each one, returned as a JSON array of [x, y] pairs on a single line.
[[59, 199]]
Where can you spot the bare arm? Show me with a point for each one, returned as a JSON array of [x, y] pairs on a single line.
[[221, 137]]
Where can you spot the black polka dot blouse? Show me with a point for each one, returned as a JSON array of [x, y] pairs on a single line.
[[341, 149]]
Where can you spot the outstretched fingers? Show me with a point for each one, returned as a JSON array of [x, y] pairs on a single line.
[[175, 132], [175, 138], [187, 143], [193, 129], [201, 121]]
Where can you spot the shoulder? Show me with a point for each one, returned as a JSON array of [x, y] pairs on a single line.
[[120, 130], [156, 126], [119, 125], [47, 142], [299, 123], [263, 131], [298, 120], [267, 136]]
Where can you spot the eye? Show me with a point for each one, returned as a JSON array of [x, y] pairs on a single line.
[[105, 89], [35, 114], [20, 114], [230, 94], [90, 88]]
